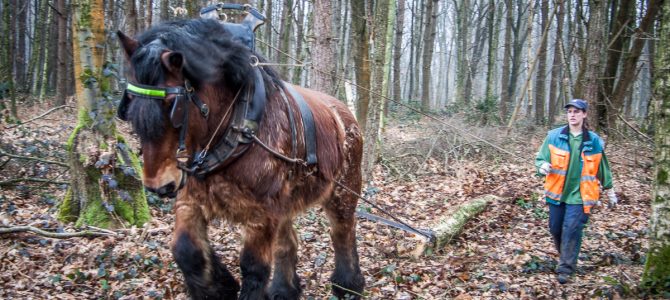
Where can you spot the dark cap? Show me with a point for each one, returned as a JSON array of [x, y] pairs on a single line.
[[577, 103]]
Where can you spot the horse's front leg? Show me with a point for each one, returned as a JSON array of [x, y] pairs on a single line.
[[205, 276], [256, 258]]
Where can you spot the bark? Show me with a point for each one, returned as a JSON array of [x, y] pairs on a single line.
[[619, 37], [397, 48], [593, 60], [417, 43], [427, 57], [284, 37], [300, 38], [449, 227], [20, 59], [371, 133], [462, 26], [95, 151], [164, 14], [360, 50], [61, 68], [541, 75], [131, 19], [656, 276], [492, 47], [41, 50], [629, 70], [505, 93], [323, 52], [557, 66]]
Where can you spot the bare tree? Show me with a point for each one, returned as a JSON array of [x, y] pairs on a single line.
[[427, 57]]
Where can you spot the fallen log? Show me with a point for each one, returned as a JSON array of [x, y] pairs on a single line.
[[449, 227]]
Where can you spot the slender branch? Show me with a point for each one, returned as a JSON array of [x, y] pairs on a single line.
[[648, 139], [41, 116], [15, 180], [56, 235], [53, 162]]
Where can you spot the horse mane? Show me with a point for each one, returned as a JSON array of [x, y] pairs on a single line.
[[211, 56]]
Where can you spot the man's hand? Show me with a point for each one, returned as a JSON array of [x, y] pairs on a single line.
[[545, 168], [611, 196]]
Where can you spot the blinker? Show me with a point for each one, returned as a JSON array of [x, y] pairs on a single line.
[[178, 111]]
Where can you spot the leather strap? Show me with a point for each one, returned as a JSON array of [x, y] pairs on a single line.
[[309, 128]]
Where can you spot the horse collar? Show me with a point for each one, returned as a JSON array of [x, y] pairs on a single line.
[[246, 115]]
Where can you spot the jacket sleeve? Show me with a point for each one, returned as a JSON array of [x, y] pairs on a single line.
[[543, 156], [605, 173]]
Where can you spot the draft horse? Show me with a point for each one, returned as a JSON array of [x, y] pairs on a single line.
[[229, 140]]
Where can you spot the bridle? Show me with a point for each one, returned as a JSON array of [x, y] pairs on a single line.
[[178, 113]]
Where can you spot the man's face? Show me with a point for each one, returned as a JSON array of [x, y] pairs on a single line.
[[576, 116]]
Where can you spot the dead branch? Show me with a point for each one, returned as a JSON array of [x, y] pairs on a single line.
[[15, 180], [55, 235], [46, 161], [40, 116]]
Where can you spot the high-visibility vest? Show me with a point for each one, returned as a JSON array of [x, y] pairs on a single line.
[[591, 154]]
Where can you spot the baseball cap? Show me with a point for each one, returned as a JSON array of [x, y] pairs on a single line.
[[577, 103]]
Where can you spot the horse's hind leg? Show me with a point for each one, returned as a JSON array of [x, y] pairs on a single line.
[[205, 276], [348, 282], [285, 281]]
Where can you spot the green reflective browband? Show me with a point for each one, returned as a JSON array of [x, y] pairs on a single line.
[[140, 91]]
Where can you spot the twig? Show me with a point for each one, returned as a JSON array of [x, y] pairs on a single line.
[[56, 235], [15, 180], [348, 290], [40, 116], [53, 162]]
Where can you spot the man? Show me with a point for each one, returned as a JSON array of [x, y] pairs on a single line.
[[573, 160]]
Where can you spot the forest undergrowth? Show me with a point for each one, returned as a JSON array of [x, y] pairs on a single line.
[[426, 171]]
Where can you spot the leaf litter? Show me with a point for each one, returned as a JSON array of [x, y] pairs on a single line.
[[504, 253]]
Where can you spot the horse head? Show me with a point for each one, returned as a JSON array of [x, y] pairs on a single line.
[[179, 72]]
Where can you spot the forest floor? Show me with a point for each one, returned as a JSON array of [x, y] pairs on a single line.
[[427, 170]]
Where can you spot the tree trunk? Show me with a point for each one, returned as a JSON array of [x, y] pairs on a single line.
[[323, 51], [131, 19], [105, 190], [557, 66], [492, 47], [593, 61], [284, 37], [541, 75], [427, 57], [397, 51], [656, 276], [618, 41], [361, 52], [629, 70], [371, 133], [300, 38], [164, 14], [505, 92], [462, 26], [61, 68], [20, 59]]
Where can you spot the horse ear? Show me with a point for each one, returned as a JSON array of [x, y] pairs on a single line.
[[129, 44], [173, 61]]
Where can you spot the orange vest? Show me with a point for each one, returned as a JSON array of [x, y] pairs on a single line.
[[588, 183]]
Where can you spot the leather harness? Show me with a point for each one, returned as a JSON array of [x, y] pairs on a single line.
[[247, 112]]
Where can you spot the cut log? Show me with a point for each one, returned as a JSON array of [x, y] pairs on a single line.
[[448, 228]]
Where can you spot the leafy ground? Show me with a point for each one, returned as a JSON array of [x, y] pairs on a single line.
[[426, 172]]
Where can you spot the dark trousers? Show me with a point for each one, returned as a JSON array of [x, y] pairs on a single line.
[[566, 223]]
